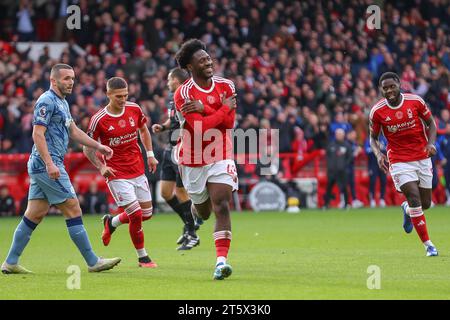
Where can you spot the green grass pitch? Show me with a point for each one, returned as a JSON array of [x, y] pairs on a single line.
[[275, 256]]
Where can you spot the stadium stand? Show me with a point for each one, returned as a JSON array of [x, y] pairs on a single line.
[[295, 64]]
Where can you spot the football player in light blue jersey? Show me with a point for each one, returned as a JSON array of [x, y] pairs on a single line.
[[49, 181]]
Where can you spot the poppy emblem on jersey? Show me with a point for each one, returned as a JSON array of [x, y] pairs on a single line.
[[131, 121], [399, 114], [122, 123], [211, 99], [410, 114]]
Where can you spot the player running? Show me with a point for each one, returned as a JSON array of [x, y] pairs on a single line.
[[205, 150], [118, 125], [49, 182], [410, 132]]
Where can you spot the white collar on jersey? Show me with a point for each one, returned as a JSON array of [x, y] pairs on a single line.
[[399, 105], [203, 90], [115, 115]]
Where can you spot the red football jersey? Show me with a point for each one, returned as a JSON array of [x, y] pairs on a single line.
[[403, 126], [200, 144], [120, 133]]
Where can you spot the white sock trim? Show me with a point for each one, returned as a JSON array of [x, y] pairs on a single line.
[[141, 253], [221, 259], [428, 243], [116, 221], [223, 234], [415, 212]]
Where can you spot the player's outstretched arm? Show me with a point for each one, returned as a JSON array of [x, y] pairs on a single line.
[[41, 146], [79, 136], [161, 127], [147, 142]]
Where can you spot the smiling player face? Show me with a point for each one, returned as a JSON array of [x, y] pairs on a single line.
[[202, 65], [390, 89]]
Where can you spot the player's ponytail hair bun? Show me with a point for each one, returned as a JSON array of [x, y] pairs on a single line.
[[187, 50]]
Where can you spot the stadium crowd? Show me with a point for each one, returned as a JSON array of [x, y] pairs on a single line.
[[306, 68]]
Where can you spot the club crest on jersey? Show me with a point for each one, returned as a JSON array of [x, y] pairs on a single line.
[[410, 114], [211, 99], [131, 122], [122, 123], [399, 115]]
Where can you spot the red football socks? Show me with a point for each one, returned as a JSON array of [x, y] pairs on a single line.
[[135, 227], [419, 222], [222, 241]]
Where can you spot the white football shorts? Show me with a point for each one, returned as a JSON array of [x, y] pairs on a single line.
[[403, 172], [195, 178], [126, 191]]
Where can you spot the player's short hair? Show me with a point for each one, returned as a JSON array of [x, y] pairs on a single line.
[[116, 83], [187, 50], [388, 75], [54, 72], [179, 74]]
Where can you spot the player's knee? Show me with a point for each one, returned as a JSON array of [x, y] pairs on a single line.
[[204, 213], [35, 216], [167, 194], [414, 201], [426, 204], [222, 206], [71, 209], [181, 194]]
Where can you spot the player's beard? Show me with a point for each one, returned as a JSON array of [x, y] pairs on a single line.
[[63, 89]]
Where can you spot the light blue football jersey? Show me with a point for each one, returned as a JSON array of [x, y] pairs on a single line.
[[52, 112]]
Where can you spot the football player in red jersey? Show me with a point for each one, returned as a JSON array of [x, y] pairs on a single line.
[[205, 150], [410, 131], [118, 125]]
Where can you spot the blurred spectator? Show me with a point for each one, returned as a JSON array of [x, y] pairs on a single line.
[[339, 156], [7, 206], [445, 147], [339, 122], [375, 172], [356, 151], [94, 200], [25, 26]]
